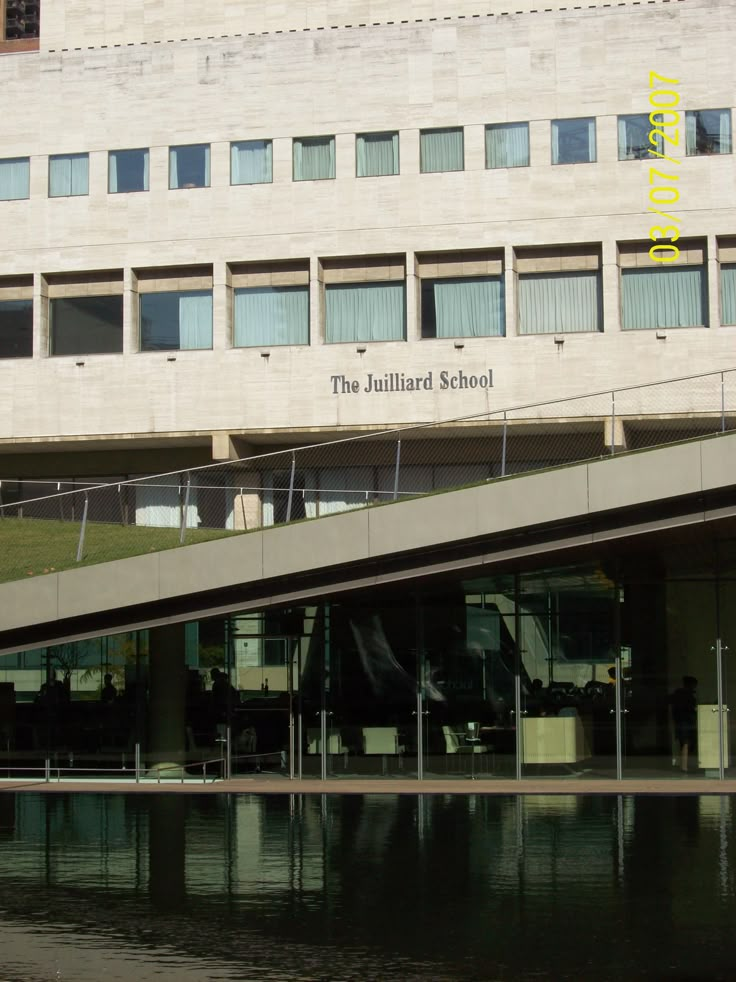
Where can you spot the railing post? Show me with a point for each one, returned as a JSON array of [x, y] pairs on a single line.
[[83, 529], [137, 763], [291, 486], [47, 770], [397, 469], [185, 510], [613, 423], [503, 447], [723, 403]]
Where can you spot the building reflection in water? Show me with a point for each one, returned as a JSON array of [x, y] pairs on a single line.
[[501, 885]]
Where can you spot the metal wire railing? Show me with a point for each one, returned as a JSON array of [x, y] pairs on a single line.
[[85, 523]]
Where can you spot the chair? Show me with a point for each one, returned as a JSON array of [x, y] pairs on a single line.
[[472, 745], [383, 740], [334, 744]]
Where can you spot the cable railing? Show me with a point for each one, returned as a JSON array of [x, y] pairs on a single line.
[[91, 522]]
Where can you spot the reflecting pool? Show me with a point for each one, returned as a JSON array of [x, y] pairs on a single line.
[[384, 887]]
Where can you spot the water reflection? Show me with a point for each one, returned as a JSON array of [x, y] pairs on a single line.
[[365, 886]]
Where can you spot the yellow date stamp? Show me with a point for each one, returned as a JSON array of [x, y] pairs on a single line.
[[664, 119]]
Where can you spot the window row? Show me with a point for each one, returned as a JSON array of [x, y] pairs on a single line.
[[573, 141], [558, 291]]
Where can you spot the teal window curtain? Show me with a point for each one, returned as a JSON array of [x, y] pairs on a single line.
[[377, 154], [314, 158], [14, 179], [271, 315], [127, 171], [559, 303], [161, 505], [507, 145], [663, 298], [251, 162], [68, 175], [195, 320], [633, 138], [189, 166], [728, 294], [365, 312], [469, 308], [441, 150]]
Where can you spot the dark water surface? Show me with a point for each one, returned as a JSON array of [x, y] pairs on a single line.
[[394, 887]]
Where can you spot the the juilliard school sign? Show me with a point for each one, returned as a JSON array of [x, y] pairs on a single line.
[[401, 382]]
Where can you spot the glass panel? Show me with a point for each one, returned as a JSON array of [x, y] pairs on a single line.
[[86, 325], [176, 320], [16, 328], [633, 138], [251, 162], [467, 647], [314, 158], [365, 312], [467, 307], [189, 167], [573, 141], [68, 175], [127, 171], [558, 303], [271, 315], [568, 672], [663, 298], [728, 294], [377, 154], [14, 178], [507, 145], [708, 131], [441, 150]]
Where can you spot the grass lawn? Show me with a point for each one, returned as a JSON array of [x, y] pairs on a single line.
[[34, 546]]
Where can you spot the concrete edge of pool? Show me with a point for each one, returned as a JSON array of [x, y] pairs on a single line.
[[265, 784]]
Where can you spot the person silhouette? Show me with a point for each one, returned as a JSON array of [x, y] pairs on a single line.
[[684, 703], [109, 692]]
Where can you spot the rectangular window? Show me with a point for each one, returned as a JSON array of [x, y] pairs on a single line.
[[176, 320], [707, 131], [633, 138], [365, 312], [573, 141], [68, 175], [270, 315], [507, 145], [377, 154], [728, 294], [441, 150], [663, 297], [86, 325], [468, 307], [16, 328], [559, 303], [251, 162], [314, 158], [127, 171], [15, 175], [189, 167]]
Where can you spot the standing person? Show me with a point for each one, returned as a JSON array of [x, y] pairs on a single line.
[[684, 703]]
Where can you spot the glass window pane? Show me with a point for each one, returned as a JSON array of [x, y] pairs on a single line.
[[377, 154], [251, 162], [441, 150], [463, 308], [14, 178], [728, 294], [559, 303], [708, 131], [573, 141], [663, 298], [86, 325], [633, 138], [16, 328], [189, 167], [365, 312], [176, 320], [507, 145], [314, 158], [127, 171], [271, 315], [68, 175]]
